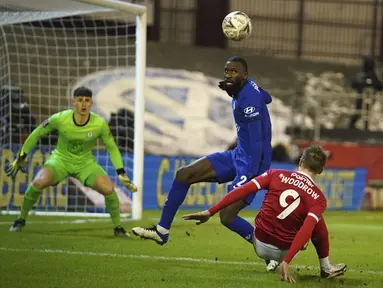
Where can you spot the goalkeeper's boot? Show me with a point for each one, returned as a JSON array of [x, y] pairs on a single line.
[[333, 271], [120, 232], [272, 265], [152, 234], [17, 225]]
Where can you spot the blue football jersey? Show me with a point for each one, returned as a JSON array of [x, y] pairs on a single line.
[[253, 125]]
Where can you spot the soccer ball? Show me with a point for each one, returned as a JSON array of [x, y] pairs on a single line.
[[236, 26]]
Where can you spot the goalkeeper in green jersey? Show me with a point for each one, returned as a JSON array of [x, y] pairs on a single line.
[[78, 131]]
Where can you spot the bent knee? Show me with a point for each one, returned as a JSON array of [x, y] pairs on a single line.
[[43, 179], [268, 251], [40, 183], [107, 190], [261, 253], [228, 214], [103, 185], [227, 217], [184, 175]]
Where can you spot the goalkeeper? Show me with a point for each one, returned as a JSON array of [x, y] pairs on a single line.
[[78, 131]]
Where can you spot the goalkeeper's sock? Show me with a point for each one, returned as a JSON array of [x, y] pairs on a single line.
[[243, 228], [112, 204], [30, 198], [174, 200]]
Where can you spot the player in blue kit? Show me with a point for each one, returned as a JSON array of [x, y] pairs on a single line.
[[250, 158]]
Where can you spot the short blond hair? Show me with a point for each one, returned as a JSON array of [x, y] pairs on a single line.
[[314, 158]]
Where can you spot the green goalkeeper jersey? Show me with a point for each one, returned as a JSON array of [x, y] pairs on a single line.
[[76, 142]]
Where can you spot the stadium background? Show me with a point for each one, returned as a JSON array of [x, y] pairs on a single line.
[[304, 52]]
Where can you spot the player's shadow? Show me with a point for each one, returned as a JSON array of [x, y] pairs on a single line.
[[334, 282]]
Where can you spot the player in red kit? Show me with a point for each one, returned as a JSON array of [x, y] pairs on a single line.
[[290, 215]]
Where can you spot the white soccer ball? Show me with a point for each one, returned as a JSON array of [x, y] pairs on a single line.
[[236, 26]]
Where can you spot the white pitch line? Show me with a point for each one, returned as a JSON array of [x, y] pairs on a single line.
[[101, 220], [165, 258]]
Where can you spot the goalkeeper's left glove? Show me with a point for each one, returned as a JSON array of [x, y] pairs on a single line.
[[125, 180], [18, 164]]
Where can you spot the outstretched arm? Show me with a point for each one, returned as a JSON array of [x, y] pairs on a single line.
[[115, 156], [235, 195], [253, 186], [304, 233], [301, 238], [111, 147], [43, 129]]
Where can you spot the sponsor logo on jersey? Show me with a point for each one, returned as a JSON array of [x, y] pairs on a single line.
[[302, 178], [90, 134], [75, 146], [249, 110], [252, 115]]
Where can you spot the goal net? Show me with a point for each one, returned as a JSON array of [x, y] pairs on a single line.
[[44, 56]]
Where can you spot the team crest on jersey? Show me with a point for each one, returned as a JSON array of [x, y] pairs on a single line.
[[45, 123], [90, 134]]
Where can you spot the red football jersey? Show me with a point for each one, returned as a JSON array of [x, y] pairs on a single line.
[[291, 197]]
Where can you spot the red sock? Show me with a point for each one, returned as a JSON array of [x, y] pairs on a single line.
[[320, 239]]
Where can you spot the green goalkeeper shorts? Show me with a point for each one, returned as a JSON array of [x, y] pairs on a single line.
[[86, 172]]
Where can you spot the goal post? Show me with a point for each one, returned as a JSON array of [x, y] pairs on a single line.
[[43, 56], [141, 24]]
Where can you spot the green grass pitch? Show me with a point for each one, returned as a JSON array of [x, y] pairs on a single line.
[[82, 252]]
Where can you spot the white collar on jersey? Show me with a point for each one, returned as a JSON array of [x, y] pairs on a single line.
[[307, 175]]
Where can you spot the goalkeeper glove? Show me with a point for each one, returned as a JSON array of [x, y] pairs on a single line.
[[125, 180], [16, 165]]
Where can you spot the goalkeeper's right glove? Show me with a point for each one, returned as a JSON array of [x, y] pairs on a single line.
[[16, 165], [125, 180]]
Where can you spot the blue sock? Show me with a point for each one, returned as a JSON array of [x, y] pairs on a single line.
[[174, 200], [243, 228]]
